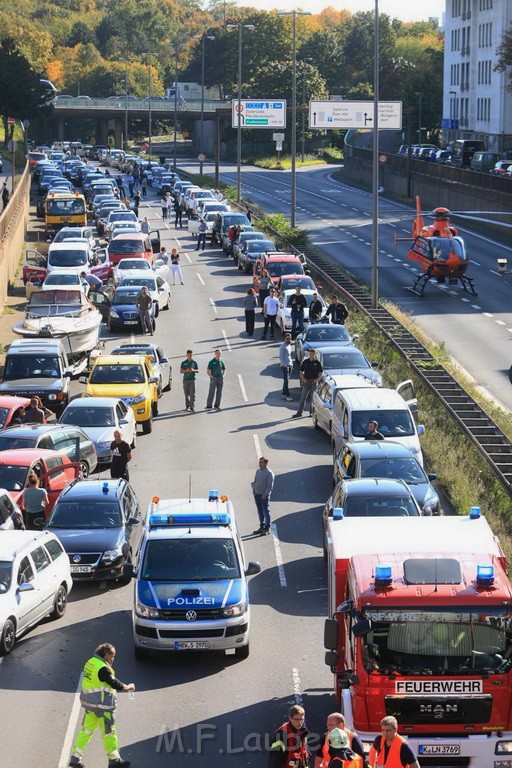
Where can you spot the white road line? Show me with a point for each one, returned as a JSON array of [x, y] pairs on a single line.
[[70, 731], [495, 273], [279, 555], [500, 322], [297, 692], [200, 278], [242, 387], [467, 301], [509, 329], [487, 314], [228, 345], [316, 589], [213, 305], [257, 446], [475, 306], [188, 258], [476, 262], [132, 338]]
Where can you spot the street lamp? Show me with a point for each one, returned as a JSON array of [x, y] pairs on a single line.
[[420, 129], [176, 47], [203, 39], [304, 106], [150, 126], [375, 162], [240, 28], [294, 15], [125, 82]]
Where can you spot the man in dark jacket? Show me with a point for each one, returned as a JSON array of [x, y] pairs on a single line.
[[337, 311], [289, 746]]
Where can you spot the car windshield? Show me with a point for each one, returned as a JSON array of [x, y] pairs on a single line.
[[250, 236], [327, 333], [8, 442], [95, 513], [86, 417], [66, 234], [190, 560], [393, 423], [338, 360], [149, 282], [259, 246], [4, 412], [125, 297], [380, 506], [405, 469], [292, 282], [116, 374], [28, 367], [58, 278], [278, 268], [63, 207], [67, 258], [236, 218], [126, 246], [123, 216], [134, 350], [13, 477], [5, 575], [134, 264], [439, 642]]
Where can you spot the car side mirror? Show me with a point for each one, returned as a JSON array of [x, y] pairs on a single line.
[[83, 379], [133, 521], [25, 587], [375, 364], [164, 360], [252, 568], [432, 475], [153, 379], [420, 429]]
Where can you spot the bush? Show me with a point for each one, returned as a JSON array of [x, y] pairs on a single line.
[[278, 226]]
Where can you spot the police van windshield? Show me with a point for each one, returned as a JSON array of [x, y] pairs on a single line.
[[413, 641], [190, 560]]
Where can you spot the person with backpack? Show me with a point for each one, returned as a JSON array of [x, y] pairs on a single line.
[[327, 751], [289, 745]]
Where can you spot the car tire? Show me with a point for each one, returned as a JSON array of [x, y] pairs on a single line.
[[153, 325], [8, 638], [167, 303], [157, 310], [84, 469], [315, 421], [147, 426], [154, 408], [126, 579], [141, 654], [60, 603], [242, 652], [133, 444], [168, 386]]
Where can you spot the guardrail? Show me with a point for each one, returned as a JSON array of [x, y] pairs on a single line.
[[81, 103]]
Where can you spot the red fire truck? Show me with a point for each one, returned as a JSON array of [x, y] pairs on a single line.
[[420, 628]]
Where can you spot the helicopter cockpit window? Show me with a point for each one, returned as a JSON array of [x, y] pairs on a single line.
[[442, 247]]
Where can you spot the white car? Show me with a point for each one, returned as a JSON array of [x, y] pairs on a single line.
[[158, 288], [193, 224], [121, 216], [64, 278], [284, 315], [99, 417], [74, 233], [212, 206], [133, 267], [35, 580]]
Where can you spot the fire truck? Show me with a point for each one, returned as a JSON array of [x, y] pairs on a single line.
[[420, 627]]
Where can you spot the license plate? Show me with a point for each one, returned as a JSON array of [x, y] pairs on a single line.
[[81, 569], [192, 645], [439, 749], [131, 322]]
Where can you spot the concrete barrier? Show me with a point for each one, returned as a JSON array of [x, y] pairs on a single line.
[[13, 225]]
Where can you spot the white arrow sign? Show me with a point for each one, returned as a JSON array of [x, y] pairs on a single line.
[[354, 114]]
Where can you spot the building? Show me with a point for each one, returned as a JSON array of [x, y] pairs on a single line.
[[476, 101]]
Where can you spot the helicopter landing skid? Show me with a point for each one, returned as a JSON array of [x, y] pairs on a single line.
[[421, 281]]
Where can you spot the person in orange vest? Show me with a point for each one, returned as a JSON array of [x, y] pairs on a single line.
[[338, 753], [390, 750], [322, 754], [289, 746]]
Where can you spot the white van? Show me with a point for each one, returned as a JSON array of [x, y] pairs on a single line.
[[35, 580], [11, 517], [393, 409]]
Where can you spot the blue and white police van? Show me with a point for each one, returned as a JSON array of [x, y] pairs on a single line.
[[191, 590]]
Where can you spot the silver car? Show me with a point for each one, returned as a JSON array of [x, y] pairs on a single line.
[[99, 418]]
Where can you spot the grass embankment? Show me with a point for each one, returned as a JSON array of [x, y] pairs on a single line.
[[322, 157]]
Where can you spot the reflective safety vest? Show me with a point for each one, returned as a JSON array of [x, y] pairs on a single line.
[[377, 759], [95, 694], [355, 762], [293, 747]]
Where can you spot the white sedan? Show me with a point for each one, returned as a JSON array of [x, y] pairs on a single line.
[[284, 315], [65, 279], [138, 268], [193, 224], [158, 288]]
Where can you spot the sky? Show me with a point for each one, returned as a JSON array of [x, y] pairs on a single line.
[[419, 10]]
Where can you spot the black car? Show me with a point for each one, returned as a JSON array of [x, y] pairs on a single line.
[[54, 437], [95, 521]]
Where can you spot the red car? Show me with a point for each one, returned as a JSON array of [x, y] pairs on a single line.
[[133, 245], [54, 470], [11, 408]]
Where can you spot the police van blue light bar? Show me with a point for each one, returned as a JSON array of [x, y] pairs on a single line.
[[474, 513], [485, 574], [163, 520]]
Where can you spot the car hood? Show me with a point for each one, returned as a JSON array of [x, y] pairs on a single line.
[[368, 373], [115, 390], [31, 386], [173, 595], [84, 540], [100, 434], [127, 307], [321, 344]]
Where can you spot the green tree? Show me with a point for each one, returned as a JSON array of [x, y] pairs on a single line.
[[504, 54], [326, 49], [359, 43], [80, 33]]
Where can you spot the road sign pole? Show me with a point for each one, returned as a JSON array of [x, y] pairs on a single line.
[[294, 122], [375, 165], [239, 121]]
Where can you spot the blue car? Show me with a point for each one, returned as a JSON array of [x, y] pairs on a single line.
[[123, 312]]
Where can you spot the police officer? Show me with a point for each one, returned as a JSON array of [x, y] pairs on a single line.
[[98, 697], [289, 746]]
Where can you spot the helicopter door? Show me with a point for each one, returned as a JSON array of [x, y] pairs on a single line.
[[407, 391]]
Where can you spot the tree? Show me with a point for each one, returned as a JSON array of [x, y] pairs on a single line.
[[80, 33], [504, 54], [22, 95], [358, 47]]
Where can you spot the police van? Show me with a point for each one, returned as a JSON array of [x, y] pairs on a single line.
[[191, 590]]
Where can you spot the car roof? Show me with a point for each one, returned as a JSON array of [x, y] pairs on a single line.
[[91, 489], [119, 359], [85, 402], [81, 245], [12, 541], [383, 399], [25, 430], [11, 401], [374, 486], [338, 349], [22, 456], [129, 235], [283, 257], [380, 449]]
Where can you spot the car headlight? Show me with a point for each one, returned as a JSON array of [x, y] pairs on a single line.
[[138, 399], [52, 397], [235, 610], [146, 612], [112, 554], [113, 313], [503, 748]]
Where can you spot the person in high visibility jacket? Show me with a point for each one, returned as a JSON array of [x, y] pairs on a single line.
[[390, 750], [289, 746], [98, 698], [338, 753], [322, 754]]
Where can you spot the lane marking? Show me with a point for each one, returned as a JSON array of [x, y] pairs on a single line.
[[242, 387], [187, 257], [228, 345], [316, 589], [213, 305], [475, 306], [297, 686], [279, 555], [500, 322], [70, 731], [200, 278], [257, 446], [487, 314]]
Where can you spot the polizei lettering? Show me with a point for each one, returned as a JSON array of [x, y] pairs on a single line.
[[437, 687], [191, 601]]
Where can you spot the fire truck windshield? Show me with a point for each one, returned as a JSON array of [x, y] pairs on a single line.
[[412, 641]]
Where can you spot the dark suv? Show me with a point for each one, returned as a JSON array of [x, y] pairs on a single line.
[[54, 437], [94, 521]]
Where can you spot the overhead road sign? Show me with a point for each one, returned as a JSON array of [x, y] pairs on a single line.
[[354, 114], [259, 113]]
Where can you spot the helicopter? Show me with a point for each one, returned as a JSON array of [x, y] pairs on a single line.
[[440, 251]]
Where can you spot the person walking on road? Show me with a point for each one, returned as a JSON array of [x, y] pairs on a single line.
[[250, 304], [390, 748], [5, 195], [216, 371], [262, 487], [36, 413], [337, 311], [286, 363], [201, 235], [143, 303], [289, 745], [297, 302], [175, 267], [144, 227], [315, 309], [178, 213], [136, 202], [163, 204], [326, 750], [311, 372], [35, 501], [270, 307], [264, 284], [188, 369], [98, 698], [170, 205], [121, 455]]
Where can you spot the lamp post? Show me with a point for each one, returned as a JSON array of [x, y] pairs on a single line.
[[176, 47], [375, 164], [294, 15], [240, 28], [150, 126], [420, 104], [303, 140], [203, 39]]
